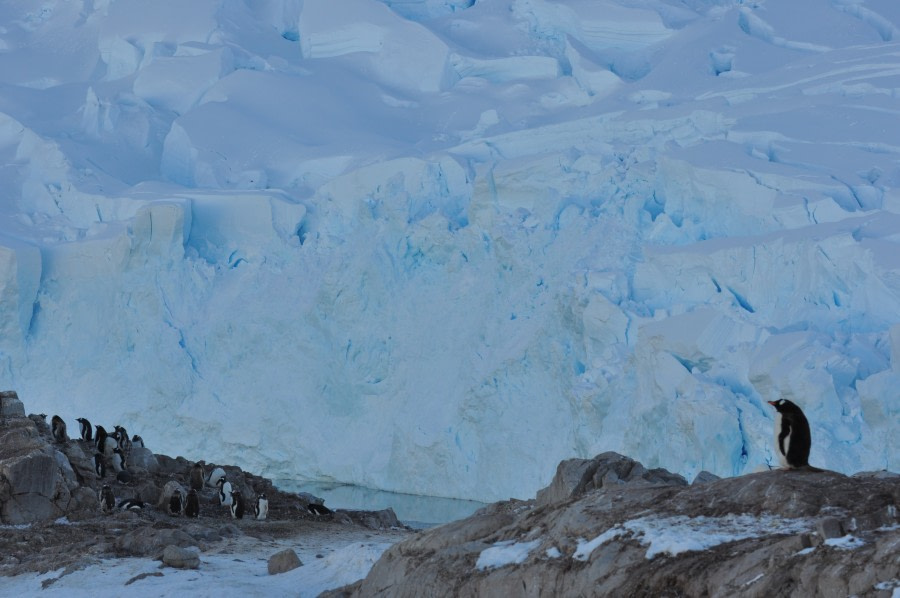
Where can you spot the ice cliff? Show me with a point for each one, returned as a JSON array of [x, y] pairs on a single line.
[[437, 247]]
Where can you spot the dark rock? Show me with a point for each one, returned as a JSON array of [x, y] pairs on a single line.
[[830, 528], [10, 405], [283, 561], [704, 477], [575, 477], [384, 519], [180, 558], [150, 542]]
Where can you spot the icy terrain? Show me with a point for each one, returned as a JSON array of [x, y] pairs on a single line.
[[438, 246]]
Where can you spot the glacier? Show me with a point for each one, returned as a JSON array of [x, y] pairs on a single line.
[[437, 246]]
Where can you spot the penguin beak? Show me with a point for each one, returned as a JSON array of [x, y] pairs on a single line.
[[772, 403]]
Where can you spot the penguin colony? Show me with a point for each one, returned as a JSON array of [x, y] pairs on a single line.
[[112, 449]]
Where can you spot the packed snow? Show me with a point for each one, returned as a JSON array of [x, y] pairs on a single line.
[[237, 569], [505, 553], [677, 534], [437, 246]]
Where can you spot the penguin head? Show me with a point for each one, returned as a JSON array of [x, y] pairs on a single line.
[[784, 406]]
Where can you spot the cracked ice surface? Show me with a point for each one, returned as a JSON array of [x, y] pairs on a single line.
[[436, 247]]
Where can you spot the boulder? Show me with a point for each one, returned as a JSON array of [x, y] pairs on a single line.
[[575, 477], [180, 558], [10, 405], [283, 561], [143, 458]]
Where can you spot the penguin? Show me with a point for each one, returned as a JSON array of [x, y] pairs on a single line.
[[237, 505], [87, 431], [317, 509], [58, 429], [131, 504], [192, 504], [100, 438], [792, 438], [124, 477], [99, 466], [225, 492], [122, 439], [118, 460], [196, 476], [107, 499], [176, 503], [262, 507], [214, 476], [137, 441]]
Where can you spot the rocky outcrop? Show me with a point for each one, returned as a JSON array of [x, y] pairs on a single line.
[[36, 480], [609, 527]]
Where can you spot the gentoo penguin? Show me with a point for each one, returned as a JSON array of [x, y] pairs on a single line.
[[225, 492], [237, 505], [124, 477], [99, 466], [87, 431], [262, 507], [58, 429], [792, 439], [118, 459], [124, 442], [192, 504], [176, 503], [214, 476], [317, 509], [107, 499], [131, 504], [137, 441], [196, 477], [100, 438]]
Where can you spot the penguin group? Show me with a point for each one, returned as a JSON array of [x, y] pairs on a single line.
[[110, 454]]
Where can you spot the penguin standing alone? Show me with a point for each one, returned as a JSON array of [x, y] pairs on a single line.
[[262, 507], [192, 505], [137, 441], [58, 429], [87, 431], [792, 437]]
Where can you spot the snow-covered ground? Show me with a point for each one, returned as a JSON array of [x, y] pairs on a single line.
[[437, 246], [238, 567]]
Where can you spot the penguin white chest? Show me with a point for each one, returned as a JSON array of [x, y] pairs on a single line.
[[782, 444]]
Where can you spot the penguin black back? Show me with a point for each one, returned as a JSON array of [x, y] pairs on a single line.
[[107, 499], [87, 431], [792, 437], [58, 429], [100, 438], [196, 476], [192, 504]]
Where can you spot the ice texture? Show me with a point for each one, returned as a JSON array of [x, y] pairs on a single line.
[[436, 247]]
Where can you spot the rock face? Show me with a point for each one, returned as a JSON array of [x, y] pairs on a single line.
[[36, 479], [610, 527]]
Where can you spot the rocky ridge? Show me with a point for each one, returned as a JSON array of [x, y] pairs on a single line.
[[610, 527], [50, 516]]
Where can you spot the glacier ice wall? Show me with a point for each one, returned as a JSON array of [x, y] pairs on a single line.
[[436, 247]]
